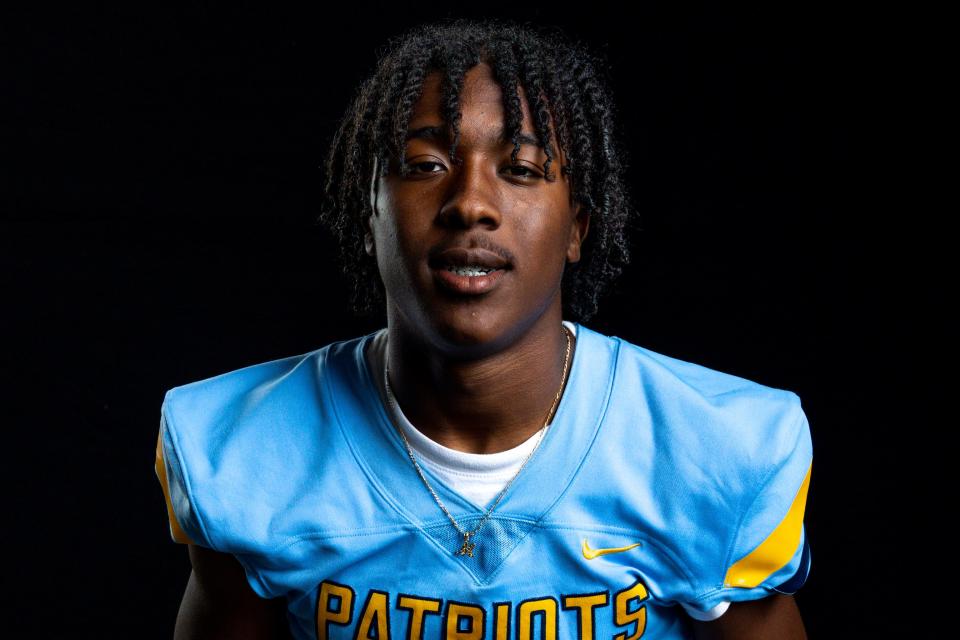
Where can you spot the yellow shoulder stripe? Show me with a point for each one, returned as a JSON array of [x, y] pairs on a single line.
[[161, 469], [774, 552]]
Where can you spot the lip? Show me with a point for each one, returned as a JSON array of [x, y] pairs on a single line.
[[464, 257], [467, 285]]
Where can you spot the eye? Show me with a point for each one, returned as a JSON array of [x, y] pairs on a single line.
[[415, 167], [524, 172]]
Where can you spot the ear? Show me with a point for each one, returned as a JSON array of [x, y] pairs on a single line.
[[368, 243], [374, 194], [579, 228], [374, 185]]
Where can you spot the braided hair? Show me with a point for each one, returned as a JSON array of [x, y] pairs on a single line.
[[561, 78]]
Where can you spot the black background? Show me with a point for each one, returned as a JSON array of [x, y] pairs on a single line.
[[159, 191]]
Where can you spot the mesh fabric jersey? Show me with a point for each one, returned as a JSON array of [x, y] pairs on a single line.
[[659, 483]]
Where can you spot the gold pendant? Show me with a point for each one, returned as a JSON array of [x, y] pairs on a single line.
[[468, 547]]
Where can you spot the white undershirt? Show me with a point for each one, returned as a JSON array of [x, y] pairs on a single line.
[[478, 477]]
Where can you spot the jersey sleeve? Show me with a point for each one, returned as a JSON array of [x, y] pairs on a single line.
[[769, 551], [182, 516]]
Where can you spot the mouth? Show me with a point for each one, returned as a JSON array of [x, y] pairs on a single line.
[[467, 280], [472, 271], [468, 271]]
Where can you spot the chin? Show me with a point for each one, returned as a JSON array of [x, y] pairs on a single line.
[[465, 327]]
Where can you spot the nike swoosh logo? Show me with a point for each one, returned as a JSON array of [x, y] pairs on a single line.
[[590, 554]]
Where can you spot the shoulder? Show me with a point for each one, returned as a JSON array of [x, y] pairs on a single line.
[[675, 374], [210, 417], [219, 397], [723, 422], [220, 407], [724, 438], [239, 445], [731, 460]]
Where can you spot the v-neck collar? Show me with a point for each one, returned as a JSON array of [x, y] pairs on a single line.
[[380, 452]]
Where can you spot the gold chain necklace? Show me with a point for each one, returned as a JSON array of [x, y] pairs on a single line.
[[466, 549]]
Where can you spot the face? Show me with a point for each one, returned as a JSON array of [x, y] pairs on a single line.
[[507, 213]]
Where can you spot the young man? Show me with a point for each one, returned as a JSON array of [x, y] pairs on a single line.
[[483, 468]]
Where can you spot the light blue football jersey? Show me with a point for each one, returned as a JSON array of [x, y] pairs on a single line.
[[659, 482]]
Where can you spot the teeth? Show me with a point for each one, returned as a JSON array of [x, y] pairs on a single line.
[[470, 271]]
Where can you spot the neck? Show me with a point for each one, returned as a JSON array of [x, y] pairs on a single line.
[[486, 402]]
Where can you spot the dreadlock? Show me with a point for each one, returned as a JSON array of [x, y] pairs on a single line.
[[560, 77]]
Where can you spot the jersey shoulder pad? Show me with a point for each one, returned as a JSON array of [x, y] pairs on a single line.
[[223, 454], [744, 451]]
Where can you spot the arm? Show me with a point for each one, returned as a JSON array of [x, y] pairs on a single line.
[[219, 604], [775, 616]]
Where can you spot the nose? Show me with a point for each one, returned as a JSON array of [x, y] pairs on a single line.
[[472, 198]]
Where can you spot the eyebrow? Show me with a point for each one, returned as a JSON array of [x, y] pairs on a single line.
[[438, 133]]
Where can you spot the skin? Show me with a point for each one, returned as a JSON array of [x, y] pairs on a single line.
[[476, 374], [775, 616], [219, 604]]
